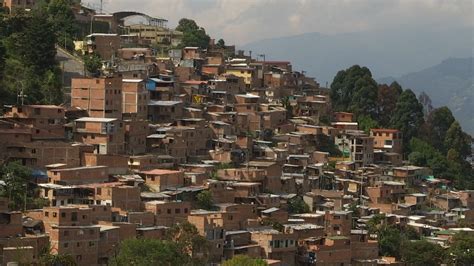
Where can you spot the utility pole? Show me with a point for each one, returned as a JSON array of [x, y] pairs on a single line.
[[263, 68], [92, 20], [26, 189], [21, 96]]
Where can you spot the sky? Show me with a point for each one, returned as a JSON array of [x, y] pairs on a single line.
[[243, 21]]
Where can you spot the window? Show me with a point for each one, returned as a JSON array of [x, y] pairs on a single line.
[[177, 211], [63, 214], [46, 214], [66, 233], [186, 209], [74, 216], [91, 244], [276, 244], [168, 211], [66, 245], [78, 244]]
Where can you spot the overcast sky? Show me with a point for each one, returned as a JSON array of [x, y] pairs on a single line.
[[243, 21]]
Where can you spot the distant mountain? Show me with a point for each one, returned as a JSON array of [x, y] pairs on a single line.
[[390, 53], [450, 83], [386, 53]]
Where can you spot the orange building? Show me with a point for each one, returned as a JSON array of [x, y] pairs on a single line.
[[100, 97], [390, 140], [161, 179]]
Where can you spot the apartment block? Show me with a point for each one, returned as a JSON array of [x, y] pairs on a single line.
[[100, 97]]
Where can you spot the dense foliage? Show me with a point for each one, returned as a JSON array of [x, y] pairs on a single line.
[[243, 260], [408, 116], [17, 187], [461, 250], [355, 90], [193, 35], [28, 49], [93, 63], [149, 252], [204, 200], [431, 137], [297, 205], [183, 246], [405, 244], [422, 252]]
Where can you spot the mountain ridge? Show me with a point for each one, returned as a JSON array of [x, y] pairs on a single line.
[[386, 53], [449, 83]]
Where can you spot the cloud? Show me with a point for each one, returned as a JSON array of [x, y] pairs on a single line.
[[243, 21]]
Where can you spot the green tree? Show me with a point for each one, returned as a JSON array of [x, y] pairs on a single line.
[[29, 42], [52, 87], [189, 241], [63, 21], [422, 253], [408, 116], [2, 59], [456, 139], [16, 177], [390, 238], [354, 90], [326, 144], [460, 170], [423, 154], [3, 93], [243, 260], [49, 259], [366, 123], [273, 223], [204, 200], [387, 98], [461, 249], [193, 35], [364, 102], [93, 63], [374, 223], [144, 252], [297, 205], [34, 45], [390, 241], [220, 43], [436, 127]]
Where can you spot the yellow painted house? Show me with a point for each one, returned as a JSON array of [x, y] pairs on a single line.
[[247, 73]]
